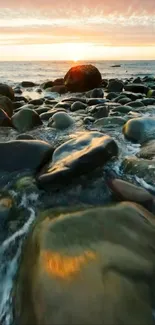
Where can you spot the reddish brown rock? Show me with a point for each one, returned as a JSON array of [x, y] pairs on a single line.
[[7, 91], [82, 78]]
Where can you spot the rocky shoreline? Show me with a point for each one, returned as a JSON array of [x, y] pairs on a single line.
[[76, 154]]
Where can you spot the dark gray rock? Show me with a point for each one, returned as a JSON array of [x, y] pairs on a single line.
[[47, 115], [27, 84], [25, 136], [115, 86], [77, 157], [77, 106], [98, 111], [136, 88], [26, 119], [5, 120], [6, 105], [95, 93], [136, 104]]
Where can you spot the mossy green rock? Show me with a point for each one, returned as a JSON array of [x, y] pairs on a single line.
[[26, 119], [88, 266]]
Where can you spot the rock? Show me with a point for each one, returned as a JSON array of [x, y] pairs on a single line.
[[42, 109], [95, 101], [18, 104], [148, 101], [64, 105], [78, 156], [124, 100], [88, 120], [4, 119], [27, 84], [77, 106], [132, 96], [60, 120], [111, 96], [125, 191], [24, 154], [38, 101], [95, 93], [25, 136], [7, 105], [17, 90], [147, 150], [140, 129], [20, 98], [58, 82], [46, 116], [110, 121], [51, 102], [99, 111], [74, 99], [122, 109], [151, 93], [82, 78], [26, 119], [136, 104], [7, 91], [26, 184], [78, 265], [136, 88], [60, 89], [137, 80], [115, 86], [47, 84], [142, 168]]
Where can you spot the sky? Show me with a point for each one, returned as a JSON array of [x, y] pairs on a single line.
[[77, 29]]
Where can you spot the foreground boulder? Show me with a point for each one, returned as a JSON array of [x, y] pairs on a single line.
[[140, 129], [26, 119], [77, 157], [88, 266], [82, 78], [7, 91], [24, 154]]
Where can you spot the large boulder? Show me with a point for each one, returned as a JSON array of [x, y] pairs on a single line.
[[7, 91], [24, 154], [26, 119], [88, 266], [76, 157], [140, 129], [82, 78], [7, 105]]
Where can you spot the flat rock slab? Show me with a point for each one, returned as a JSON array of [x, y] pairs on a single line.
[[77, 157], [24, 154]]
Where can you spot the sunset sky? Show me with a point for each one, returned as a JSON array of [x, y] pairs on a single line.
[[77, 29]]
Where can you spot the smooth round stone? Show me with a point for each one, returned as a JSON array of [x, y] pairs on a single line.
[[115, 86], [111, 95], [110, 121], [136, 104], [25, 136], [7, 91], [42, 109], [37, 102], [88, 120], [47, 84], [96, 101], [26, 119], [47, 115], [136, 88], [95, 93], [77, 106], [147, 150], [78, 264], [133, 96], [51, 102], [99, 111], [126, 191], [124, 100], [24, 154], [61, 120], [77, 157], [28, 106], [20, 98], [140, 129], [74, 99], [7, 105], [148, 101], [27, 84], [65, 105], [122, 109], [116, 99], [18, 104], [5, 120], [60, 89]]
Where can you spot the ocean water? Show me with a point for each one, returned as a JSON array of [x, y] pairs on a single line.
[[14, 72]]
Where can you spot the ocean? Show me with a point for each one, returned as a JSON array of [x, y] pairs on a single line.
[[14, 72]]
